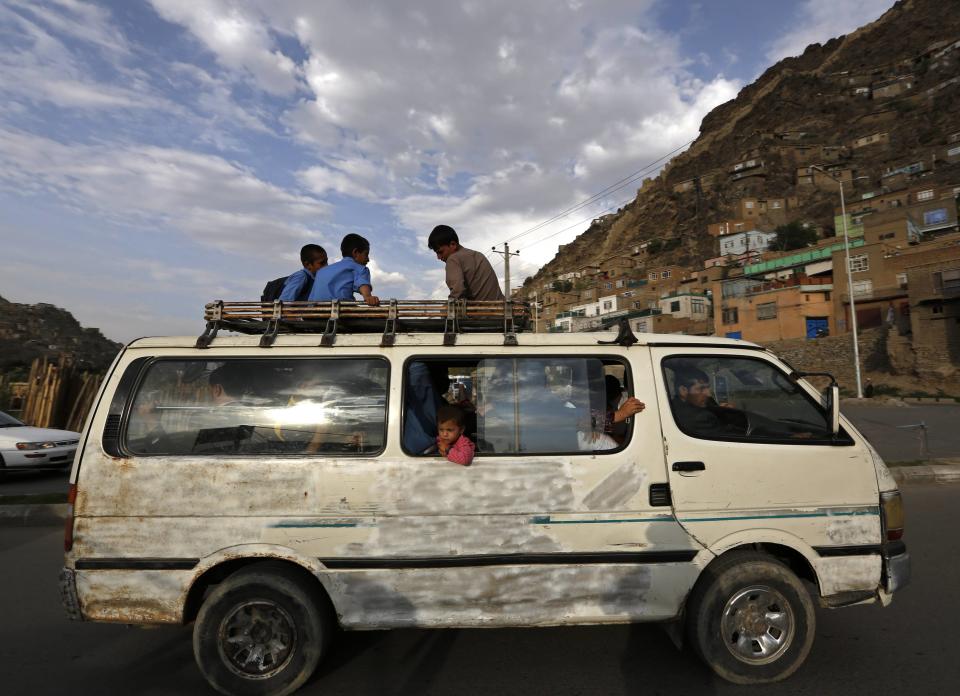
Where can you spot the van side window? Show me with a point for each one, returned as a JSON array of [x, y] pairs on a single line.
[[239, 406], [535, 405], [743, 399]]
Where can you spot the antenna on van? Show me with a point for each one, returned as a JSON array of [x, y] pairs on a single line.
[[625, 336]]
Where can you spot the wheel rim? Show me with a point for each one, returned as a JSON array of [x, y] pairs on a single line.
[[257, 639], [757, 625]]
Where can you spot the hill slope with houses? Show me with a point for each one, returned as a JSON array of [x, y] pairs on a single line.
[[877, 111]]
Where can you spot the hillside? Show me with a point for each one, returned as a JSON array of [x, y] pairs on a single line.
[[31, 331], [897, 76]]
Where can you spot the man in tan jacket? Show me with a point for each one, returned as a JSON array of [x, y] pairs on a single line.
[[469, 274]]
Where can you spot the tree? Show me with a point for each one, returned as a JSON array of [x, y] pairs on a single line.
[[794, 235]]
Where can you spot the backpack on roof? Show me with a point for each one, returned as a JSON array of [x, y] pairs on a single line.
[[272, 290]]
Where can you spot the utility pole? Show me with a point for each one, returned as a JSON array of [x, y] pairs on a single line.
[[506, 254], [853, 305]]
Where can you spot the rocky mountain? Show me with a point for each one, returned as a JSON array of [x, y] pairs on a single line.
[[30, 331], [898, 76]]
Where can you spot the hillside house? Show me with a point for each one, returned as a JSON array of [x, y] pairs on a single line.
[[878, 138]]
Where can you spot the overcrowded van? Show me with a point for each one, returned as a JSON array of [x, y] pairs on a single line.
[[276, 484]]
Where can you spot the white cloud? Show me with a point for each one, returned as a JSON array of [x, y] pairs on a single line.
[[215, 202], [820, 20], [238, 38]]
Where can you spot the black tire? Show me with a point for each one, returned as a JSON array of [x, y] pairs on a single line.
[[751, 619], [267, 609]]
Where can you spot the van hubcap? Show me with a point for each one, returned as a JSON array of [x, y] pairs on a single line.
[[257, 639], [757, 625]]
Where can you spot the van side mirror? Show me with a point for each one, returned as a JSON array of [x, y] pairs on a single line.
[[833, 407]]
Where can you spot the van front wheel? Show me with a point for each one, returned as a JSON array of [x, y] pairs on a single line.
[[751, 619], [260, 632]]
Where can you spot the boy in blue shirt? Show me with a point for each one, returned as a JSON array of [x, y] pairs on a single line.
[[299, 284], [349, 275]]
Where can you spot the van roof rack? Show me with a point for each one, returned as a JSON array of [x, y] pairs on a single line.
[[451, 317]]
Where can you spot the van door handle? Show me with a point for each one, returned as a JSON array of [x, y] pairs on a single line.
[[689, 466]]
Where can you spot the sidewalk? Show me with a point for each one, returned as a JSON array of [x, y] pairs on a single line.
[[42, 514]]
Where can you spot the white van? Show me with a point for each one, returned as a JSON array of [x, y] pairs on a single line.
[[271, 489]]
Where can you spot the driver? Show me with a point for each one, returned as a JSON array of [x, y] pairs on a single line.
[[695, 409]]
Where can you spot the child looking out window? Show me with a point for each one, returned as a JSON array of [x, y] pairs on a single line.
[[451, 442]]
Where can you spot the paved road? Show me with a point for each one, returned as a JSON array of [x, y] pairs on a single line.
[[879, 425], [908, 648]]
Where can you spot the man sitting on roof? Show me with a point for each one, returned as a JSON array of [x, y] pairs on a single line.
[[469, 274], [349, 275]]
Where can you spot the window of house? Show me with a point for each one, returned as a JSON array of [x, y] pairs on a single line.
[[934, 217], [860, 262], [675, 306], [925, 195], [953, 151], [902, 280], [523, 405], [608, 305], [636, 305], [744, 400], [666, 274], [698, 306], [947, 282], [775, 204], [937, 308], [767, 310], [748, 205], [329, 406], [730, 316], [652, 275], [862, 288]]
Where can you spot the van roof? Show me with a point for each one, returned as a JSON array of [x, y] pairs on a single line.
[[437, 339]]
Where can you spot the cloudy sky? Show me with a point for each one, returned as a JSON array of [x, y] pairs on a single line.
[[158, 154]]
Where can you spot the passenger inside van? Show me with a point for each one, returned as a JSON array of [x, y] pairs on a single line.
[[694, 407]]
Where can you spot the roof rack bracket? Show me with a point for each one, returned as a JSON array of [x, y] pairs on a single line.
[[450, 326], [625, 336], [390, 330], [214, 313], [273, 326], [330, 333], [509, 331]]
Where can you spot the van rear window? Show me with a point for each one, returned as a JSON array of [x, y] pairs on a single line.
[[215, 407]]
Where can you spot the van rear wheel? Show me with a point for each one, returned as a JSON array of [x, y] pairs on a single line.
[[262, 631], [751, 619]]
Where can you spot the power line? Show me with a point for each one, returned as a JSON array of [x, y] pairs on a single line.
[[616, 186]]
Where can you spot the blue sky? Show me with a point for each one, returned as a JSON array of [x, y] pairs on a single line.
[[155, 155]]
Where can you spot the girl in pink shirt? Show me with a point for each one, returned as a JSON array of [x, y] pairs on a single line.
[[451, 442]]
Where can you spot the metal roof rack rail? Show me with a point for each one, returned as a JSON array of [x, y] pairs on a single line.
[[330, 318]]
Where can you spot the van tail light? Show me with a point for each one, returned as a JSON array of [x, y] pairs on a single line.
[[891, 515], [68, 524]]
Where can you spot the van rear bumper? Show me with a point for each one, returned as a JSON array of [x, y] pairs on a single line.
[[896, 567]]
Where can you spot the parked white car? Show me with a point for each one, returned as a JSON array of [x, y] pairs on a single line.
[[24, 447]]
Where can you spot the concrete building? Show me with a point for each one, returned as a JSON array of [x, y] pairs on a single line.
[[745, 242], [878, 138], [934, 292], [880, 280], [687, 305], [765, 311]]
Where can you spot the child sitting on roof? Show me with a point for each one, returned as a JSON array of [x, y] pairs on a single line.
[[349, 275], [298, 284], [451, 442]]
